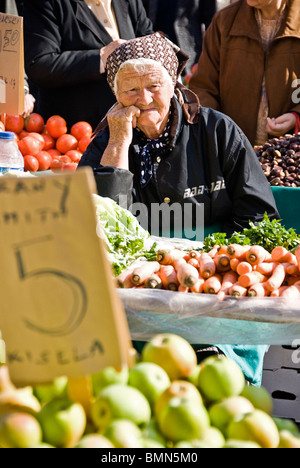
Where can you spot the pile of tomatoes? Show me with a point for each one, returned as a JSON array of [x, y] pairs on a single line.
[[48, 145]]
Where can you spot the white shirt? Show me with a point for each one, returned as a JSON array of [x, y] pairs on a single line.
[[103, 11]]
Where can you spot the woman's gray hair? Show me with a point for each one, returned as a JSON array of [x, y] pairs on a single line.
[[140, 65]]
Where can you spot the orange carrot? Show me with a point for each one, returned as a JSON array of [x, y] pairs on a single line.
[[168, 277], [194, 254], [237, 251], [265, 268], [222, 262], [123, 280], [297, 255], [282, 255], [277, 278], [258, 290], [212, 285], [177, 263], [207, 266], [222, 249], [234, 263], [244, 267], [153, 282], [212, 252], [187, 275], [257, 254], [292, 292], [182, 288], [198, 286], [278, 292], [237, 290], [167, 257], [248, 279], [229, 279], [291, 269], [142, 272], [193, 261]]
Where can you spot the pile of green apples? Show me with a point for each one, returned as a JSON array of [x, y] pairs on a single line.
[[166, 400]]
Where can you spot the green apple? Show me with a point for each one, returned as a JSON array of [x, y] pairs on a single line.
[[220, 377], [151, 443], [118, 401], [151, 379], [94, 441], [195, 443], [107, 376], [151, 431], [240, 444], [284, 424], [178, 388], [288, 440], [223, 412], [124, 433], [194, 376], [19, 430], [257, 427], [46, 392], [63, 422], [173, 353], [213, 437], [259, 397], [183, 419], [43, 445]]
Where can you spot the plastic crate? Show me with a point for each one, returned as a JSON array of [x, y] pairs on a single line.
[[281, 377]]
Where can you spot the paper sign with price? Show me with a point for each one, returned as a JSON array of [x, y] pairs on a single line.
[[11, 64], [60, 313]]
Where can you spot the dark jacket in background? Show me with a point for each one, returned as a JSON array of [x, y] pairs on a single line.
[[183, 21], [62, 46]]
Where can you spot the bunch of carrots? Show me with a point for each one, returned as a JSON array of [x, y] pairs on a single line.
[[232, 270]]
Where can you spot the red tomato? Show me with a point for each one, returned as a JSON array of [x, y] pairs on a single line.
[[83, 143], [66, 143], [29, 145], [34, 123], [31, 164], [44, 160], [39, 137], [56, 165], [54, 153], [81, 129], [14, 123], [49, 142], [71, 166], [74, 155], [56, 126]]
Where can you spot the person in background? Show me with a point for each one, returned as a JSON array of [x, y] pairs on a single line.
[[14, 7], [250, 65], [184, 22], [157, 146], [66, 46]]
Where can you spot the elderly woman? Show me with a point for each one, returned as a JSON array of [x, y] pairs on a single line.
[[250, 66], [158, 146]]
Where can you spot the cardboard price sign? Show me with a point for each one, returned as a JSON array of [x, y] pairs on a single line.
[[60, 312], [11, 64]]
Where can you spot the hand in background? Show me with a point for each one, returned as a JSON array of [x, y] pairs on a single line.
[[281, 125], [28, 105]]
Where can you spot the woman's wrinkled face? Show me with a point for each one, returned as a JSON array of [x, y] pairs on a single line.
[[149, 90]]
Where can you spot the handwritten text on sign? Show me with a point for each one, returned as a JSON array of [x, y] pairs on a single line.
[[11, 64], [60, 314]]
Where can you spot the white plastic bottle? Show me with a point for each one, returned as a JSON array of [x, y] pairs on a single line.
[[11, 159]]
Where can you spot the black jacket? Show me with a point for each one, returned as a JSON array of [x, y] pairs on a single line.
[[62, 42], [211, 162], [183, 21]]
